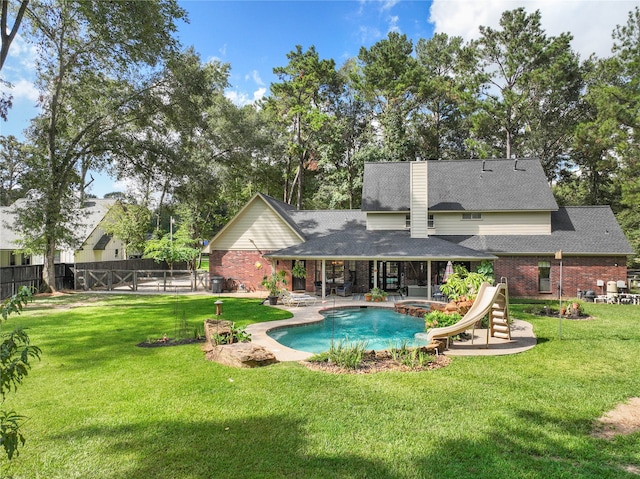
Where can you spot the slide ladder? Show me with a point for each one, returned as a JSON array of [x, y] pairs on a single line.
[[499, 314]]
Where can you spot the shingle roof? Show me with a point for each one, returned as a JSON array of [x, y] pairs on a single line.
[[580, 230], [461, 185], [359, 243], [91, 215], [323, 222]]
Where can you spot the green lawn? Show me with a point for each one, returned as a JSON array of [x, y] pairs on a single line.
[[100, 407]]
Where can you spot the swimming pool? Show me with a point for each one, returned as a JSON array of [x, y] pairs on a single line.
[[380, 328]]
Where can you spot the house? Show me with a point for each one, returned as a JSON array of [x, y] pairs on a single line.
[[96, 244], [417, 216]]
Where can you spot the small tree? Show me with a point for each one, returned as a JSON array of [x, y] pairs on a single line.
[[172, 249], [15, 353]]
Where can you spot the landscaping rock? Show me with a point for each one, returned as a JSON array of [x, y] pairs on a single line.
[[213, 327], [439, 344], [241, 355], [451, 307]]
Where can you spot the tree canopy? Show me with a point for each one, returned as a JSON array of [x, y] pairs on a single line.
[[119, 93]]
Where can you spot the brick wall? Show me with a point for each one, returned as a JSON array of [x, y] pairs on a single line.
[[577, 273], [241, 266], [521, 272]]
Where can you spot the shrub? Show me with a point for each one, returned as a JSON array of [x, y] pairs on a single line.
[[343, 354], [464, 284], [440, 319]]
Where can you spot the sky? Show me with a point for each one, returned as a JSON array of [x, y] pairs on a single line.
[[255, 36]]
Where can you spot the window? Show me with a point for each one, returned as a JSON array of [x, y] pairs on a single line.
[[12, 259], [430, 222], [544, 276], [471, 216], [407, 221], [26, 260]]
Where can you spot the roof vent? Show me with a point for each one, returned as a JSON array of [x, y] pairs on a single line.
[[483, 162], [515, 165]]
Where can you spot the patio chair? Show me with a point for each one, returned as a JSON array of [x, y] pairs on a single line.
[[297, 299], [327, 288], [344, 289]]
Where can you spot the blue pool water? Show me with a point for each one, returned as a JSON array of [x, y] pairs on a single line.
[[379, 328]]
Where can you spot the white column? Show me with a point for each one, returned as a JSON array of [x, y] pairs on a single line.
[[324, 278], [429, 285], [375, 273]]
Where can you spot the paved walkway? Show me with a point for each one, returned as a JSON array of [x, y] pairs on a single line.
[[522, 337]]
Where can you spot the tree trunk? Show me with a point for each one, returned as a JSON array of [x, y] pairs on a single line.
[[48, 268]]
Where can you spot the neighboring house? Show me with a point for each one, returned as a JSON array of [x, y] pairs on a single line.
[[95, 245], [417, 216]]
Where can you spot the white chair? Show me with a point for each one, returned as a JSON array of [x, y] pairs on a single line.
[[297, 299]]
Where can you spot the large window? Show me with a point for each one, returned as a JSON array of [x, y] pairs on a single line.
[[544, 276], [471, 216]]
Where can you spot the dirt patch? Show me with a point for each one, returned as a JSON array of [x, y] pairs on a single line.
[[376, 365], [623, 420]]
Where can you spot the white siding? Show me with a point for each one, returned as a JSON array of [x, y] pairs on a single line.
[[419, 199], [512, 223], [86, 254], [259, 223], [386, 221]]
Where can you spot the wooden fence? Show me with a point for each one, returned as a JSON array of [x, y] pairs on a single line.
[[129, 274], [141, 280], [13, 278]]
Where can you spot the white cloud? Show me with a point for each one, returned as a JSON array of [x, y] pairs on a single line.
[[259, 94], [255, 76], [393, 23], [240, 98], [388, 4], [590, 22], [24, 89], [369, 35]]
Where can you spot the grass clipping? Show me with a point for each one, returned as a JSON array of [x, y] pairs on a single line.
[[623, 420]]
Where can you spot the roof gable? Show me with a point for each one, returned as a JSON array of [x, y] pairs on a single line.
[[263, 223]]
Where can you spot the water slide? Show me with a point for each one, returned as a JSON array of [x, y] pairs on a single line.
[[489, 299]]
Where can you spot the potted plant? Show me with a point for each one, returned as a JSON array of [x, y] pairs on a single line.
[[274, 284], [298, 270], [376, 295]]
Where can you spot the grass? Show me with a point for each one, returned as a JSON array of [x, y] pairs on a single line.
[[101, 407]]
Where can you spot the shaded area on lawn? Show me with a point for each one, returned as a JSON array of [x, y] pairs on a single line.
[[279, 446], [254, 447]]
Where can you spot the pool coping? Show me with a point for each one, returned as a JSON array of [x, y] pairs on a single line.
[[522, 336]]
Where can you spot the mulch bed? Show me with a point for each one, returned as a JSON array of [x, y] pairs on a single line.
[[376, 364]]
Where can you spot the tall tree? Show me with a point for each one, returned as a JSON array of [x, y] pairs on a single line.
[[298, 101], [389, 82], [445, 86], [348, 132], [531, 85], [12, 169], [97, 60], [624, 106]]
